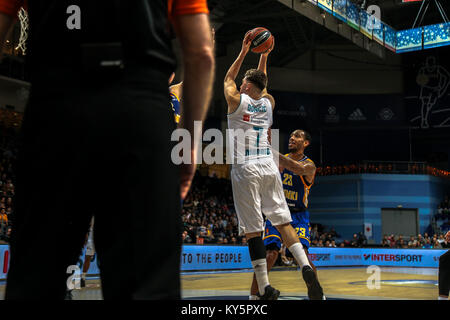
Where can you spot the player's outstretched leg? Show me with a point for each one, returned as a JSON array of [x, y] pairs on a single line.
[[288, 234], [258, 257], [271, 258]]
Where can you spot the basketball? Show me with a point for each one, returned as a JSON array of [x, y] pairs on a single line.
[[262, 40]]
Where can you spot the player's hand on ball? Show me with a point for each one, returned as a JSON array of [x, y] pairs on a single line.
[[246, 43], [270, 49], [447, 236]]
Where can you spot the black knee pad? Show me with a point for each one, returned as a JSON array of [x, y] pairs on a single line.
[[256, 248]]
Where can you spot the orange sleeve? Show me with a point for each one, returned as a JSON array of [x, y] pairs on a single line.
[[11, 7], [183, 7]]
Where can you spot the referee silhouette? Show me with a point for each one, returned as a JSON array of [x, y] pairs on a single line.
[[96, 140]]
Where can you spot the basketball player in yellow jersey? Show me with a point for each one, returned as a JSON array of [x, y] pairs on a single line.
[[255, 179], [297, 180], [175, 92]]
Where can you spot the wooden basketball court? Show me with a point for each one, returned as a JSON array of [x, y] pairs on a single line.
[[338, 283]]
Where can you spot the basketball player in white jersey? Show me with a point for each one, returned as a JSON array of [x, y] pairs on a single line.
[[255, 178]]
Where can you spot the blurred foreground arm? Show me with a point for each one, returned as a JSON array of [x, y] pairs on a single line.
[[194, 33]]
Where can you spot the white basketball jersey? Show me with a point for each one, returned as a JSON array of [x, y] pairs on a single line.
[[248, 130]]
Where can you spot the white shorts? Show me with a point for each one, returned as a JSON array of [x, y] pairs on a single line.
[[257, 190]]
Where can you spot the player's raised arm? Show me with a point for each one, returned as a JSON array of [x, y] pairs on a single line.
[[262, 66], [231, 92]]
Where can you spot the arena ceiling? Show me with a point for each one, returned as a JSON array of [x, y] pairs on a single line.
[[295, 34]]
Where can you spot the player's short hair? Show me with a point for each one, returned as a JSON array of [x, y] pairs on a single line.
[[306, 134], [257, 77]]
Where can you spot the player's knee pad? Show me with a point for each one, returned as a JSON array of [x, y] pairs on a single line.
[[256, 248]]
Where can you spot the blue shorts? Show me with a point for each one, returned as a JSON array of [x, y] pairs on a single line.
[[300, 222]]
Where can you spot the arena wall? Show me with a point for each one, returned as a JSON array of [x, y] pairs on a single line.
[[347, 202]]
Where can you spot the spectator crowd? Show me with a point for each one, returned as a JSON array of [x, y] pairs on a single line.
[[9, 122], [436, 241], [208, 213], [443, 210], [332, 239]]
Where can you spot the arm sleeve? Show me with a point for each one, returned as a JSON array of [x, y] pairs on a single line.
[[184, 7], [11, 7]]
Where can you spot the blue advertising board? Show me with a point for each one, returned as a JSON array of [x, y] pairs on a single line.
[[390, 38], [205, 257], [436, 35], [378, 31], [237, 257], [366, 24], [327, 5], [352, 15], [4, 262], [409, 40], [194, 257], [328, 257], [340, 9]]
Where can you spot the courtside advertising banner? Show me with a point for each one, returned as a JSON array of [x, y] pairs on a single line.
[[236, 257], [5, 255], [4, 261], [214, 257], [206, 257], [329, 257]]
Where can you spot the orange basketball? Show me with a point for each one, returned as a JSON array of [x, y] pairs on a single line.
[[262, 40]]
